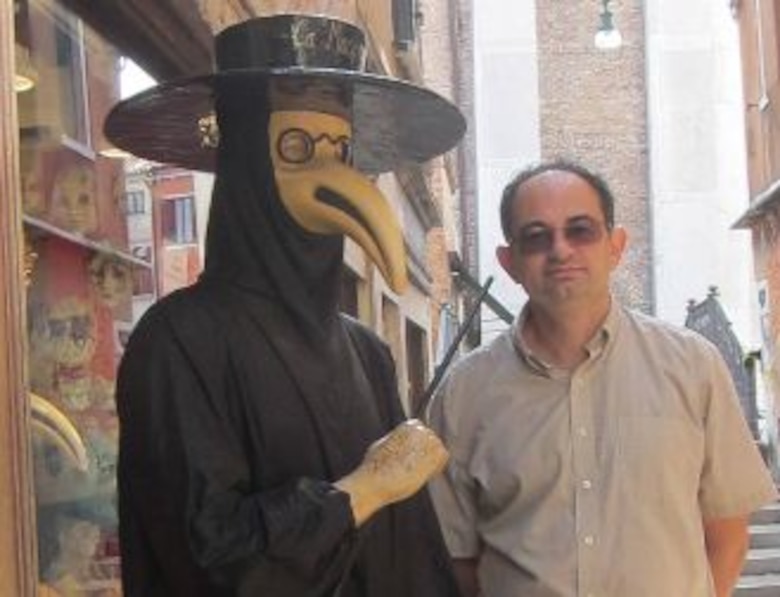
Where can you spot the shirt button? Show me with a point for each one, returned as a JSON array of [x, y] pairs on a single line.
[[587, 484], [583, 432], [589, 540]]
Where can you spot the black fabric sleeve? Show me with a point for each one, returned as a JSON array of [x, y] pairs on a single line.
[[309, 514]]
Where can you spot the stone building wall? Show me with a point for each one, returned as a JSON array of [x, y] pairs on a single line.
[[436, 56], [593, 110]]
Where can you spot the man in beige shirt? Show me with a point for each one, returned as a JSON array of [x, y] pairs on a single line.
[[594, 451]]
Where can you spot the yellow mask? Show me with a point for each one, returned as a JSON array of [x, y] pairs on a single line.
[[311, 155]]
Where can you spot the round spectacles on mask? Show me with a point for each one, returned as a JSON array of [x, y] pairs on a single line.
[[297, 146], [537, 239]]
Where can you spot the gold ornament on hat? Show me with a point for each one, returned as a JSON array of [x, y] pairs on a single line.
[[208, 129]]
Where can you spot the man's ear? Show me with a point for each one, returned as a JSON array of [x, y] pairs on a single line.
[[504, 256], [618, 239]]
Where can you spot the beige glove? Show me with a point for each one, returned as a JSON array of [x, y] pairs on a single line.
[[394, 468]]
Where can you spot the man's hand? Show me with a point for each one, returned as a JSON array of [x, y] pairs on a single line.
[[394, 468]]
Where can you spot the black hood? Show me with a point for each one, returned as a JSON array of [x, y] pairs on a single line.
[[252, 242]]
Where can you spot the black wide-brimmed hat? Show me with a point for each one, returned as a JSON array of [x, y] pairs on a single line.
[[393, 121]]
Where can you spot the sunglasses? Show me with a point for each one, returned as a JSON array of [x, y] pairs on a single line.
[[296, 146], [536, 239]]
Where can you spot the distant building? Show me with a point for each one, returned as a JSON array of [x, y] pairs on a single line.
[[759, 25], [659, 117]]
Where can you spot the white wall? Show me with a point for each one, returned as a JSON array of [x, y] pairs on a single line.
[[697, 161], [507, 117]]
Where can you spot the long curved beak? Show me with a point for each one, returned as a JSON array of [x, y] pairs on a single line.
[[51, 424], [332, 198]]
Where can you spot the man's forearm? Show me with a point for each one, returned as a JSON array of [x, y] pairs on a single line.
[[727, 541]]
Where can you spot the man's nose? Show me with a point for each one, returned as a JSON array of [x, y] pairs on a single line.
[[561, 248]]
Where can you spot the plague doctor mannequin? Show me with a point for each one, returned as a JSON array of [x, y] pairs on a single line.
[[263, 448]]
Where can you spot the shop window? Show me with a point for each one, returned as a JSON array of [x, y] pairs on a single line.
[[90, 247], [416, 363], [135, 203], [404, 23], [51, 58], [69, 48], [80, 276], [178, 220], [348, 297], [143, 282], [391, 333]]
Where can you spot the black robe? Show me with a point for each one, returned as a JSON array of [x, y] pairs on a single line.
[[241, 397]]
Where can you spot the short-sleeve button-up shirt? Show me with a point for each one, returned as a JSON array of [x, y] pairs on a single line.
[[594, 481]]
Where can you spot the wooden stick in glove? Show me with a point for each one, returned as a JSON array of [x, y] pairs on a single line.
[[394, 468]]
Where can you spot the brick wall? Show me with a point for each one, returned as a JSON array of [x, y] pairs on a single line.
[[466, 216], [593, 110], [446, 54]]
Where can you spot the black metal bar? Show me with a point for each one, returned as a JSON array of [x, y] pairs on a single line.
[[453, 348], [490, 301]]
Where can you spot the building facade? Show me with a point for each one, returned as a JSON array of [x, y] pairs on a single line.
[[89, 241], [759, 26]]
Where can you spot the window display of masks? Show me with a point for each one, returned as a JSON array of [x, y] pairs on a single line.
[[79, 271]]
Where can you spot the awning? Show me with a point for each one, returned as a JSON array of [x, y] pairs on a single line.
[[760, 206]]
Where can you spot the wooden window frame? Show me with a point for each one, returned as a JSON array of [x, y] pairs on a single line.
[[18, 566]]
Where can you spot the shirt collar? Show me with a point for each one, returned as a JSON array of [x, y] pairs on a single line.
[[594, 347]]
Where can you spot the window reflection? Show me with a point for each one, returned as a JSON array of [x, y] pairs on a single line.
[[105, 234], [69, 66], [79, 273]]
